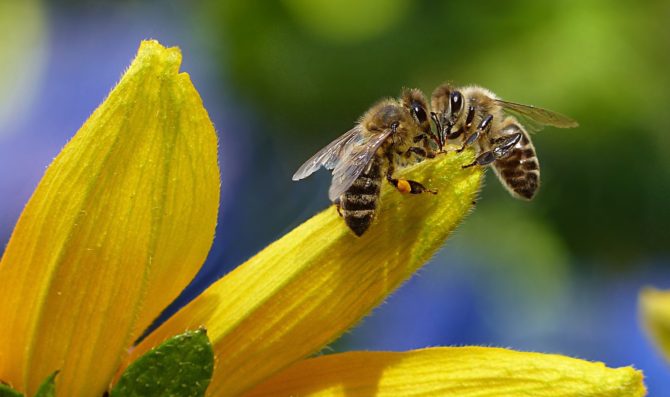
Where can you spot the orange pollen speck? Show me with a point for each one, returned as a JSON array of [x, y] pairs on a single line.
[[404, 186]]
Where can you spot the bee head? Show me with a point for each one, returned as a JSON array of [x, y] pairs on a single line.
[[415, 103], [441, 98], [387, 116]]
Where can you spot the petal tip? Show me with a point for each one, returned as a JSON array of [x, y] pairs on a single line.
[[150, 50]]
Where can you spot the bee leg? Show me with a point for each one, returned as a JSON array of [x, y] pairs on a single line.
[[421, 152], [338, 207], [504, 144], [503, 147], [454, 134], [483, 159], [482, 128], [446, 133], [406, 185], [468, 123], [409, 186], [416, 187], [423, 138], [469, 140], [428, 148]]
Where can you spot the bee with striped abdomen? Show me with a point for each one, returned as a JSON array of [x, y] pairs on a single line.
[[391, 133], [498, 129]]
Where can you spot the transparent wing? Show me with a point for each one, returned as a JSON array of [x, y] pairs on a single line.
[[535, 118], [356, 157], [327, 157]]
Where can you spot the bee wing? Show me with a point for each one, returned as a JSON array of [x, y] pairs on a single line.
[[327, 157], [356, 157], [535, 117]]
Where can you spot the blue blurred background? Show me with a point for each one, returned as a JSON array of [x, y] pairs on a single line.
[[281, 79]]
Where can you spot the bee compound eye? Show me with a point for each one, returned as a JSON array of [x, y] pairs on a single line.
[[456, 102], [419, 113]]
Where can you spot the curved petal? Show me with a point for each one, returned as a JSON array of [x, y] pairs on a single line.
[[655, 314], [307, 288], [451, 371], [120, 223]]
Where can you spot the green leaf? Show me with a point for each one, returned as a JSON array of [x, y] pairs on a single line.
[[48, 387], [6, 391], [181, 367]]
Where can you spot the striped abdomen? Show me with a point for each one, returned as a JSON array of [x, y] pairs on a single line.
[[519, 171], [359, 203]]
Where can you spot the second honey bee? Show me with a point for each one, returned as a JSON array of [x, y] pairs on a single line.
[[499, 131], [392, 132]]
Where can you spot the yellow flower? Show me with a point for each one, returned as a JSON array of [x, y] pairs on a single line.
[[124, 217], [655, 314], [121, 221], [450, 371]]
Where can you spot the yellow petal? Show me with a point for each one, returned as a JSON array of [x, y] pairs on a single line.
[[307, 288], [120, 223], [451, 371], [655, 313]]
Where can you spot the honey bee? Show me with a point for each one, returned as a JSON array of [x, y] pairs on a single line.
[[499, 131], [391, 133]]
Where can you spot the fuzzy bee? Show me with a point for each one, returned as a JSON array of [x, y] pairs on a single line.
[[499, 131], [391, 133]]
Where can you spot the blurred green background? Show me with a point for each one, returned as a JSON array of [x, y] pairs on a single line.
[[282, 79], [310, 67]]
